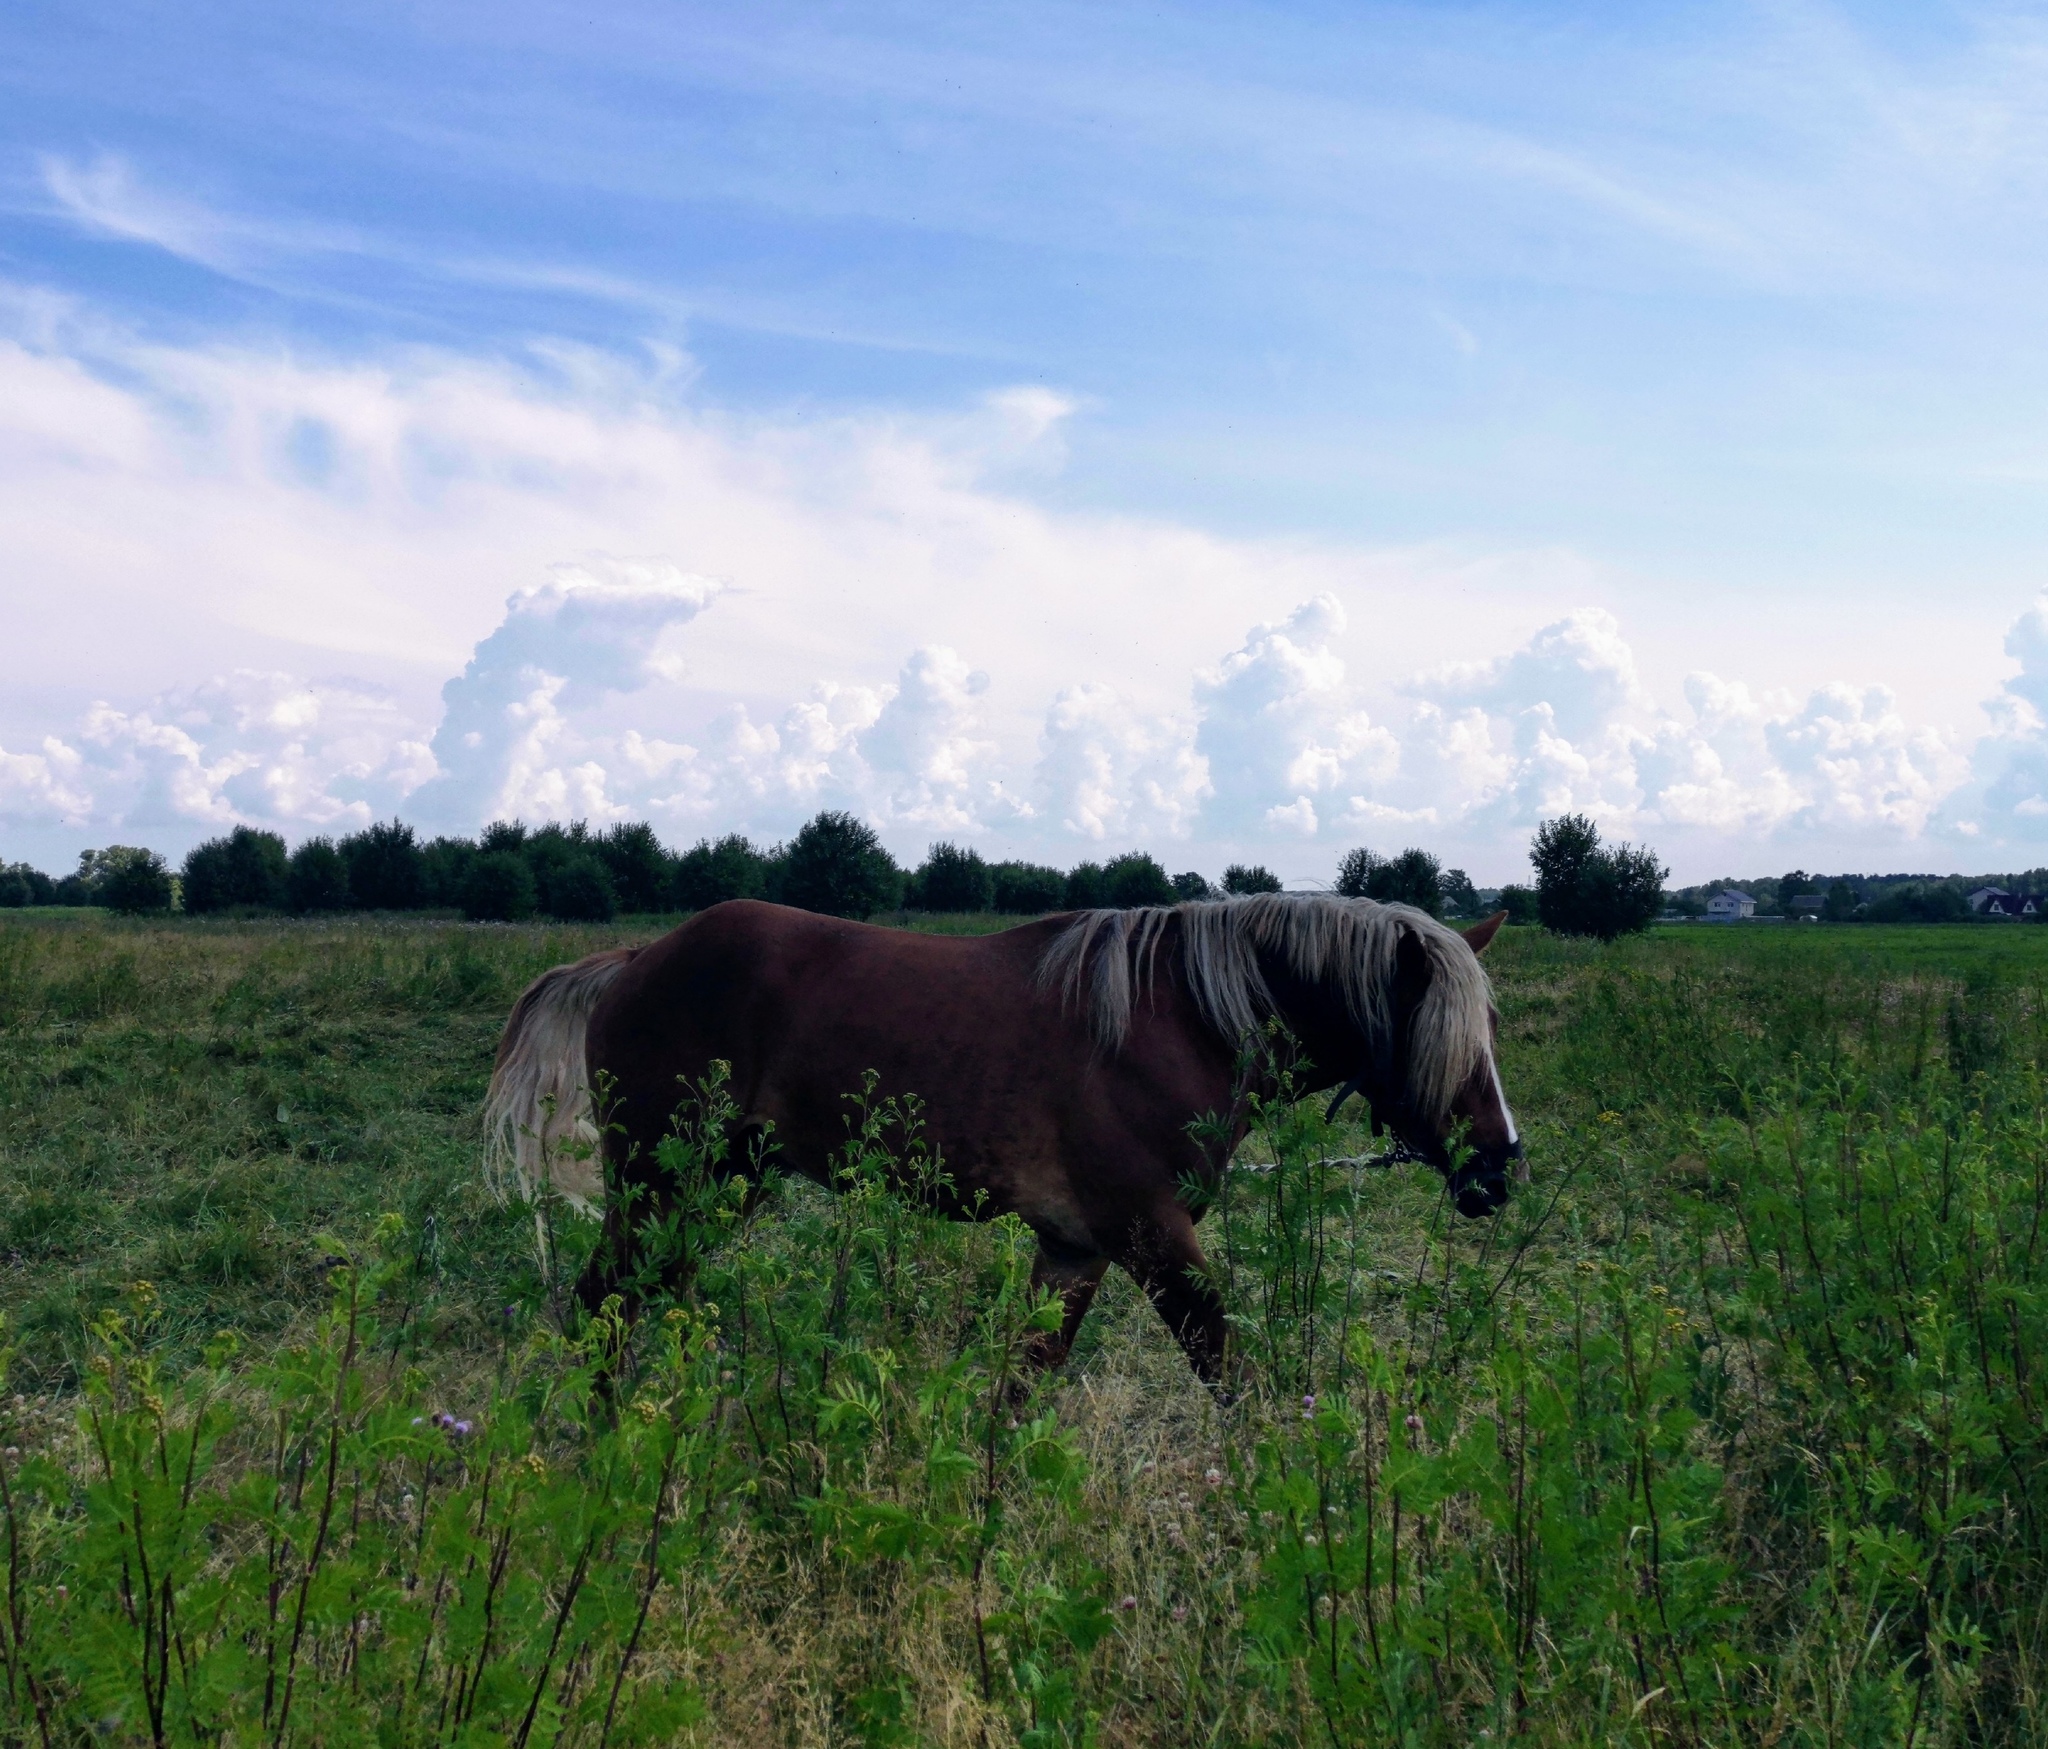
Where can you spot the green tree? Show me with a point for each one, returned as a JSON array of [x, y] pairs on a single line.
[[1841, 902], [1932, 902], [128, 879], [709, 874], [1027, 889], [550, 849], [247, 867], [1413, 878], [316, 878], [642, 872], [498, 888], [1519, 903], [1355, 871], [579, 890], [951, 879], [1461, 899], [444, 870], [204, 882], [1250, 878], [22, 885], [836, 865], [1792, 885], [1084, 887], [1191, 887], [385, 871], [1583, 888], [1135, 879]]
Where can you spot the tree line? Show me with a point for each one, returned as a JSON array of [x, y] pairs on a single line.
[[835, 863], [1862, 898]]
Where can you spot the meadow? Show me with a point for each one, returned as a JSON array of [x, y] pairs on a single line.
[[1727, 1430]]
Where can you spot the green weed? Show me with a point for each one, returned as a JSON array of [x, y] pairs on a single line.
[[1727, 1429]]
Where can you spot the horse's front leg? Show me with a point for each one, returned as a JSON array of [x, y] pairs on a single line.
[[1074, 1279], [1161, 1253]]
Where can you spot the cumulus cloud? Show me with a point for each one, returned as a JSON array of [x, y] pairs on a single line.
[[1108, 770], [247, 746], [1579, 671], [1545, 729], [843, 612], [529, 727], [1280, 728], [2005, 801], [930, 762], [586, 632], [554, 717], [1858, 765], [42, 788]]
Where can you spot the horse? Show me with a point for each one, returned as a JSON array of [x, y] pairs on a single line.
[[1064, 1067]]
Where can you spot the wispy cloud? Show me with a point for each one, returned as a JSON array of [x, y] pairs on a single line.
[[108, 197]]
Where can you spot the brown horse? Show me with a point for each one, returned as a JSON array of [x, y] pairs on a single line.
[[1062, 1065]]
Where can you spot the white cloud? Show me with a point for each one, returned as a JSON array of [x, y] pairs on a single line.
[[2005, 801], [245, 746], [588, 632], [42, 788], [1110, 772], [930, 765], [1275, 750], [1280, 728], [1580, 668], [832, 612], [1858, 764], [106, 197]]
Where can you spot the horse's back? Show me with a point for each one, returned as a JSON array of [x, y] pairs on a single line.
[[803, 1007], [746, 961]]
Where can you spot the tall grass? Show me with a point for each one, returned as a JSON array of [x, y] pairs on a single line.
[[1728, 1429]]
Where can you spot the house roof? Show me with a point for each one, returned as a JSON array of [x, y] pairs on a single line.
[[1733, 893]]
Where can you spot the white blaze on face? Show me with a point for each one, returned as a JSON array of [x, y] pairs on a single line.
[[1507, 1117]]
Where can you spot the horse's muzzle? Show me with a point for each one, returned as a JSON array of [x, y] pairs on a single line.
[[1480, 1186]]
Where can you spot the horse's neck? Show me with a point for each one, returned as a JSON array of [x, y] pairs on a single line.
[[1313, 1017]]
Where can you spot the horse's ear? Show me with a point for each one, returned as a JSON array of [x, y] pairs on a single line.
[[1480, 934]]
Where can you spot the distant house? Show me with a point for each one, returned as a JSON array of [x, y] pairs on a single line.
[[1806, 906], [1730, 906], [2012, 906], [1984, 895]]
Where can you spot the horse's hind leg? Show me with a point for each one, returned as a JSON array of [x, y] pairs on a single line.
[[610, 1269], [1164, 1257], [1075, 1279], [634, 1258]]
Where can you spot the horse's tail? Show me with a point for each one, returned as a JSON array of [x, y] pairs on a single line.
[[537, 1119]]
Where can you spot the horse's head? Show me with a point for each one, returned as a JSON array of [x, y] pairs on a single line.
[[1380, 999], [1430, 1073]]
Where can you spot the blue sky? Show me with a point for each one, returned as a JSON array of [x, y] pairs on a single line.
[[1591, 361]]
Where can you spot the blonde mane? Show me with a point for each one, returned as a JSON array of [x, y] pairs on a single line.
[[1105, 961]]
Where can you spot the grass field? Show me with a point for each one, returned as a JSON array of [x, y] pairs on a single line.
[[1728, 1430]]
